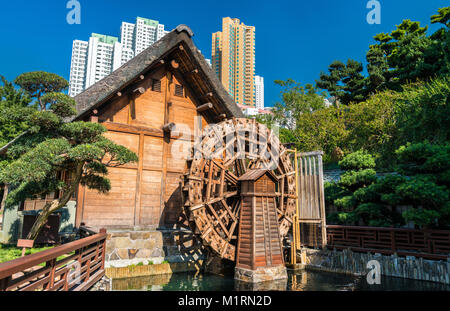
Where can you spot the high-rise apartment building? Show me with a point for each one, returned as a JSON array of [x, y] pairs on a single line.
[[95, 59], [78, 67], [233, 59], [259, 92], [103, 57]]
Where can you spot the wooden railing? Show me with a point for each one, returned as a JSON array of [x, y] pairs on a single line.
[[431, 244], [74, 266]]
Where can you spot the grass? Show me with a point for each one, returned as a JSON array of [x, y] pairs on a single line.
[[8, 253]]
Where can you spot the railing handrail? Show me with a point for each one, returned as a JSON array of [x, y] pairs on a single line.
[[9, 268], [387, 229]]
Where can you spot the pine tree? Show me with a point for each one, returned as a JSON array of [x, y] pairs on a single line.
[[52, 146]]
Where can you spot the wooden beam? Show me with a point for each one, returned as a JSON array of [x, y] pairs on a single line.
[[142, 77], [204, 107], [209, 94], [139, 90], [119, 94], [174, 64], [169, 127], [135, 129]]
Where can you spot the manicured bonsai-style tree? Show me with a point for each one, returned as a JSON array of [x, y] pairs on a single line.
[[427, 188], [52, 146], [362, 197]]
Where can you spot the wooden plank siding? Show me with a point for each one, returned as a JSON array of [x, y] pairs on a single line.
[[146, 193], [259, 243]]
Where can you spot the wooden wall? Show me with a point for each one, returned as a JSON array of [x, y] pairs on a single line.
[[147, 193]]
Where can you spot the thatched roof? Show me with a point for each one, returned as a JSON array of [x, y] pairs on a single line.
[[203, 82]]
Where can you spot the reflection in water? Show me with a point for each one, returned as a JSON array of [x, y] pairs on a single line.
[[300, 281]]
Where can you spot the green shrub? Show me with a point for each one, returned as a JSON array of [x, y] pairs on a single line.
[[333, 192], [357, 161], [352, 180], [421, 217], [423, 190], [346, 203]]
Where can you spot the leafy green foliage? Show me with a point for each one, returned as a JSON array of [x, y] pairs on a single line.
[[423, 158], [423, 112], [39, 83], [344, 81], [363, 198], [333, 192], [423, 191], [59, 103], [403, 99], [296, 100], [353, 180], [421, 217], [14, 109], [357, 160]]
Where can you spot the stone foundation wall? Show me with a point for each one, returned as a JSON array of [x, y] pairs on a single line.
[[129, 247], [350, 262], [259, 275]]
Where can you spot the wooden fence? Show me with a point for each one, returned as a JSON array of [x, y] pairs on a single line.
[[431, 244], [75, 266]]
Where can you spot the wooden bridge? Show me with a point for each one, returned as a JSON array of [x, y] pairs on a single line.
[[75, 266]]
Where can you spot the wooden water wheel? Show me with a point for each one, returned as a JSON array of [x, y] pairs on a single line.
[[222, 154]]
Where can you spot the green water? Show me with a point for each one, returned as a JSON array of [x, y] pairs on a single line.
[[300, 281]]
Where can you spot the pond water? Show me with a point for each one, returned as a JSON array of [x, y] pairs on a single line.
[[299, 281]]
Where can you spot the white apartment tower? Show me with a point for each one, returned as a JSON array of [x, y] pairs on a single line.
[[95, 59], [259, 92], [78, 67]]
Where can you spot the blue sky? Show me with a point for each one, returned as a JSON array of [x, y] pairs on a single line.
[[294, 39]]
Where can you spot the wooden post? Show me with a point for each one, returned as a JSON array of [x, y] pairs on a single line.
[[297, 211], [52, 264], [25, 244], [322, 203], [393, 244], [103, 230], [4, 284]]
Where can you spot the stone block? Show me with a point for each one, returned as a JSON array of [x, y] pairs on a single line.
[[143, 253], [157, 253], [260, 274], [122, 242], [122, 253]]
